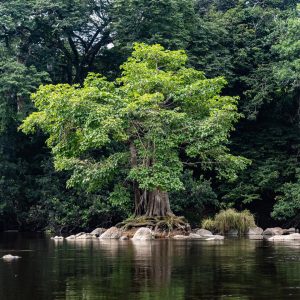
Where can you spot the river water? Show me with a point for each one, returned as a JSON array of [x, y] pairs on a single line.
[[160, 269]]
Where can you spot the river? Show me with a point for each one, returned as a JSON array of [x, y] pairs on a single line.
[[160, 269]]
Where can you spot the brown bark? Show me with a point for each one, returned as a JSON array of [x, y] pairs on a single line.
[[150, 203], [138, 203], [158, 204]]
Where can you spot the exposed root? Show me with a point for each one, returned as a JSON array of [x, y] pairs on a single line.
[[158, 224]]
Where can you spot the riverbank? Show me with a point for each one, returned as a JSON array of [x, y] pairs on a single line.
[[144, 233]]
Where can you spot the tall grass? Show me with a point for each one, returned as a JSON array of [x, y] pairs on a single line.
[[208, 224], [229, 219]]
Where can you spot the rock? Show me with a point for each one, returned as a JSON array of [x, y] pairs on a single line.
[[71, 237], [98, 231], [276, 238], [111, 233], [204, 232], [292, 236], [57, 238], [79, 234], [218, 237], [292, 230], [284, 238], [124, 238], [210, 238], [180, 237], [142, 234], [289, 231], [273, 231], [255, 231], [9, 257], [195, 236], [213, 238], [85, 236], [233, 232], [256, 237]]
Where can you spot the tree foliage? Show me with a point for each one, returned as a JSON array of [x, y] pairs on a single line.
[[156, 112]]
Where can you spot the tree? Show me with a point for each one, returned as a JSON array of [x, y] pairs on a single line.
[[16, 84], [286, 69], [42, 42], [167, 22], [286, 76], [252, 45], [143, 128], [63, 37]]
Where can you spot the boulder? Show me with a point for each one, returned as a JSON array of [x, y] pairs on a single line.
[[233, 232], [276, 238], [256, 237], [124, 238], [85, 236], [209, 238], [292, 236], [71, 237], [79, 234], [9, 257], [255, 231], [285, 238], [180, 237], [57, 237], [273, 231], [289, 231], [143, 234], [195, 236], [218, 237], [204, 232], [98, 231], [111, 233]]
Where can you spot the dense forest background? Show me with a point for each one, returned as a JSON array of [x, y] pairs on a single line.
[[254, 44]]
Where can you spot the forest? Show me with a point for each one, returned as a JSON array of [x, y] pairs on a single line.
[[108, 107]]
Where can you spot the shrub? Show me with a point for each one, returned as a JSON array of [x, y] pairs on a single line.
[[229, 219]]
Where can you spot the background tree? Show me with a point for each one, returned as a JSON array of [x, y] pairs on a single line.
[[167, 22], [42, 42], [64, 37]]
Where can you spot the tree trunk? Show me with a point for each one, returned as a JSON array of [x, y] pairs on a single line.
[[150, 203], [138, 197], [158, 204]]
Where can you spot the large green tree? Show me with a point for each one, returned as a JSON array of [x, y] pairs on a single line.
[[143, 128]]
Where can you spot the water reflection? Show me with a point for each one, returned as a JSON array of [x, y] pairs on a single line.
[[98, 269]]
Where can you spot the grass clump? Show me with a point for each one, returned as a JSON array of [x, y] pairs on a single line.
[[208, 224], [230, 219]]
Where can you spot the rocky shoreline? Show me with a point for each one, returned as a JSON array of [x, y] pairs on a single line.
[[143, 233]]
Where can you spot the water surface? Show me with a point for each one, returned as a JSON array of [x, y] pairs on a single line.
[[162, 269]]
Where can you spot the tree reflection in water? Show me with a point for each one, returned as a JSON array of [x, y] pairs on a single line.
[[159, 269]]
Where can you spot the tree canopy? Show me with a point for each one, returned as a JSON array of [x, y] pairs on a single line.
[[158, 116]]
